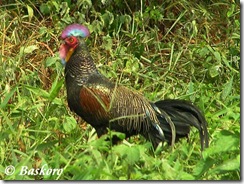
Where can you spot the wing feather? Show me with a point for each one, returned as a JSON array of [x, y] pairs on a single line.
[[135, 112], [124, 109]]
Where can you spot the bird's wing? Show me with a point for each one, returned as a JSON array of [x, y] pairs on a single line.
[[132, 111], [118, 105], [95, 103]]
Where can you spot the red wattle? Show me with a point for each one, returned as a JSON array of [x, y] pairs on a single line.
[[63, 51]]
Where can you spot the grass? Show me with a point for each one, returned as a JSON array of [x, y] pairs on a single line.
[[177, 50]]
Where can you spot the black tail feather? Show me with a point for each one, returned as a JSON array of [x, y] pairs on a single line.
[[183, 114]]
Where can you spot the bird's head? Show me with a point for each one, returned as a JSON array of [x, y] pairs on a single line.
[[70, 37]]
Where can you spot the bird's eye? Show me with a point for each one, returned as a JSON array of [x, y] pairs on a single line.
[[71, 39]]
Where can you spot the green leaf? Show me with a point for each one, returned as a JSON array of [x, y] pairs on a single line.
[[30, 12], [118, 134], [44, 94], [129, 154], [44, 8], [202, 167], [102, 143], [107, 42], [96, 27], [186, 176], [227, 141], [70, 124], [191, 91], [227, 166], [56, 86], [97, 156], [203, 52], [38, 91], [51, 61], [133, 154], [217, 56], [107, 19], [227, 89], [30, 49], [7, 97], [231, 10], [215, 53], [46, 145], [132, 65], [214, 71]]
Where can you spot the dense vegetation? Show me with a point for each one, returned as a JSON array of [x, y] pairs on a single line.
[[164, 49]]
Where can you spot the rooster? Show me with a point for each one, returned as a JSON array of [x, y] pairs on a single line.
[[107, 105]]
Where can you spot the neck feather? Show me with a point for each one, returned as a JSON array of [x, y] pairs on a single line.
[[81, 65]]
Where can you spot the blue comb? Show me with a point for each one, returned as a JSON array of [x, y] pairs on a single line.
[[75, 30]]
